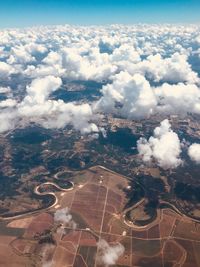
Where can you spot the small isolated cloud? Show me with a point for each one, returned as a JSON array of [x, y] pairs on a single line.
[[64, 217], [164, 147], [194, 152], [47, 254], [48, 264], [108, 255]]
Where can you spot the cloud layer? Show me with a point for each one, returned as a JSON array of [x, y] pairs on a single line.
[[147, 69]]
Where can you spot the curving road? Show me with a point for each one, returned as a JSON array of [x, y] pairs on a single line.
[[37, 192]]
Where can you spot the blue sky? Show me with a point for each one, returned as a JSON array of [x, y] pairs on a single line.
[[21, 13]]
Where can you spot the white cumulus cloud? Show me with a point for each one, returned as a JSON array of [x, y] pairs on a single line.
[[37, 107], [164, 147], [194, 152], [129, 96], [146, 69]]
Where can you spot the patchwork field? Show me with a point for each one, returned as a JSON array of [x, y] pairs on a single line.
[[97, 209]]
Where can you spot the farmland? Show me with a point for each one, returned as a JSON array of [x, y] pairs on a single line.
[[97, 205]]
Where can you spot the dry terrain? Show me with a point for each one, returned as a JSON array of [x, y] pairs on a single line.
[[96, 204]]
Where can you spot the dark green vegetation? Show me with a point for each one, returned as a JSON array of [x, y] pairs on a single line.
[[78, 90], [122, 138], [187, 192], [30, 136], [149, 188], [27, 147]]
